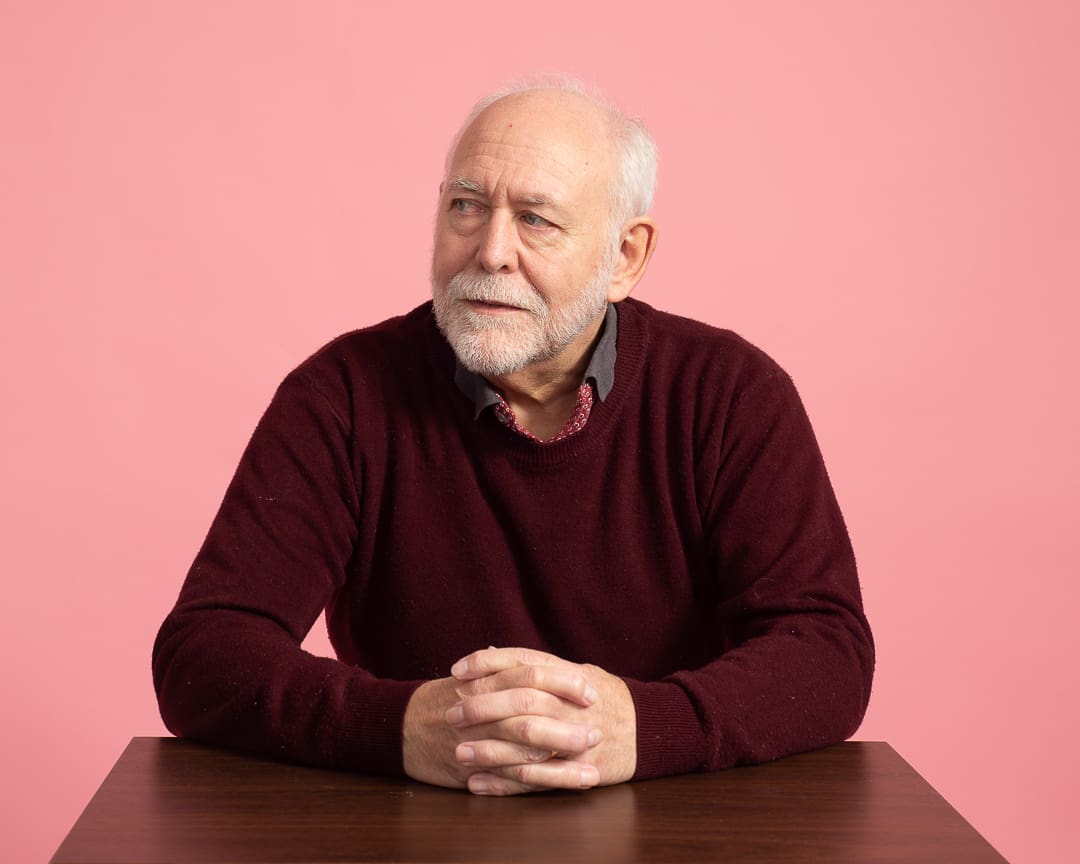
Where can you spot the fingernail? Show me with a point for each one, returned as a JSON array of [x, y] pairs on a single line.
[[589, 777], [590, 694], [465, 754], [479, 785], [455, 716], [594, 737], [459, 668]]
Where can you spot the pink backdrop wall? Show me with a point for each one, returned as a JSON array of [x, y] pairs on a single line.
[[884, 195]]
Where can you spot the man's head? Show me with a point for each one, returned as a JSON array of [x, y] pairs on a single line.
[[541, 223]]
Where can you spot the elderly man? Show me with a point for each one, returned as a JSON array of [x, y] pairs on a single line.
[[631, 504]]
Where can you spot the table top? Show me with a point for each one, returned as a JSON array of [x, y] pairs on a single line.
[[173, 800]]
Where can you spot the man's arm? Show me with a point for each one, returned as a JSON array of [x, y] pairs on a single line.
[[227, 663], [797, 661]]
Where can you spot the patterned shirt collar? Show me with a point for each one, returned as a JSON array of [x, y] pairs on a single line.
[[600, 371]]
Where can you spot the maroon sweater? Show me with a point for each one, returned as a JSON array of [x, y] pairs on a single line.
[[687, 539]]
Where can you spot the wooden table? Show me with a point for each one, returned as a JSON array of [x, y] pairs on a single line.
[[172, 800]]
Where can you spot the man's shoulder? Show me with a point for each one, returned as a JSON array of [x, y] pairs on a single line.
[[401, 331], [377, 357], [713, 374], [695, 345]]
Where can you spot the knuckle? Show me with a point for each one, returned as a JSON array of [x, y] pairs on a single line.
[[508, 787], [470, 710], [527, 701], [472, 688], [526, 730], [485, 753]]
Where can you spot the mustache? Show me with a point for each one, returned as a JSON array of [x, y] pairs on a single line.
[[492, 288]]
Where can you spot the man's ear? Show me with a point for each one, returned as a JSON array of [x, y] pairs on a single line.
[[636, 246]]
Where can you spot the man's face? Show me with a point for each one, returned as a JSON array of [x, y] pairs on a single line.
[[523, 256]]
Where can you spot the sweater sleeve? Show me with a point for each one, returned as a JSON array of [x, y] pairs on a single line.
[[796, 657], [227, 663]]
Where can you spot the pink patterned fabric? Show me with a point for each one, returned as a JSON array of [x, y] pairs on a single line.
[[575, 423]]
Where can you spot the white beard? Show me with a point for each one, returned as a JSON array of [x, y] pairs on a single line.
[[493, 345]]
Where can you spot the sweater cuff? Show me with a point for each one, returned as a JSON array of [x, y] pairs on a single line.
[[670, 739], [370, 734]]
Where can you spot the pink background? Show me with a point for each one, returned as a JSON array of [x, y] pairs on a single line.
[[884, 195]]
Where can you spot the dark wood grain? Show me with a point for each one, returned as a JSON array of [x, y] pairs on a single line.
[[168, 800]]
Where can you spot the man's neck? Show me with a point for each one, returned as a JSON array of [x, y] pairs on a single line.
[[542, 395]]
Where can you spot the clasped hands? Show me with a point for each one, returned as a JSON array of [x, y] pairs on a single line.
[[514, 720]]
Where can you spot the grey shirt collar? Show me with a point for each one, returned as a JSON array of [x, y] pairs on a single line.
[[600, 371]]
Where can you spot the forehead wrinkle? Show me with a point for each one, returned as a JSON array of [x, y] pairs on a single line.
[[541, 158], [512, 188], [550, 173]]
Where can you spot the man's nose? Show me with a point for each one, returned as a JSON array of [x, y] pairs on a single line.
[[498, 251]]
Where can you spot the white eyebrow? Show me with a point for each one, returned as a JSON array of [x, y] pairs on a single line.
[[464, 184]]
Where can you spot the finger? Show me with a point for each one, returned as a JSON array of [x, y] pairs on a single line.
[[489, 660], [539, 733], [495, 786], [502, 704], [554, 774], [566, 682], [492, 753], [518, 704]]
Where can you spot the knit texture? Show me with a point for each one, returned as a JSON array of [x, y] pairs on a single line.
[[687, 539]]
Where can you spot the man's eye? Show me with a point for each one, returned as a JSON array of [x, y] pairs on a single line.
[[535, 221], [464, 205]]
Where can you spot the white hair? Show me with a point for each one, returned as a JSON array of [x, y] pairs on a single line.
[[635, 151]]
